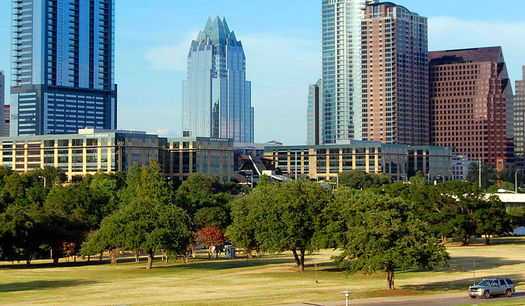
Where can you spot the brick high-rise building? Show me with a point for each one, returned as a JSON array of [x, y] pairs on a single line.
[[519, 122], [472, 104], [395, 75]]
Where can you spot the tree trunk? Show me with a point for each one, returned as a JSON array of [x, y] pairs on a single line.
[[100, 256], [56, 256], [487, 239], [28, 261], [209, 252], [249, 253], [296, 258], [89, 258], [444, 239], [137, 256], [301, 267], [113, 255], [390, 277], [150, 260], [465, 240]]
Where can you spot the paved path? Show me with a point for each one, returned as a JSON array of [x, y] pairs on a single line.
[[439, 299]]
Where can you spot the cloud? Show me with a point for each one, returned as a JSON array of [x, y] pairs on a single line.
[[163, 132], [170, 57], [453, 33]]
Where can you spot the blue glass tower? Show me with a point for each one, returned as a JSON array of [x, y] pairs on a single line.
[[216, 96], [63, 66]]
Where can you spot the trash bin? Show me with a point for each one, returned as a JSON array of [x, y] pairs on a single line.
[[229, 251]]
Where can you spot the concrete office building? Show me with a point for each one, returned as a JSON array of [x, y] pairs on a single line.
[[326, 162], [471, 104], [313, 114], [2, 102], [519, 122], [216, 98], [63, 66], [395, 75], [91, 151]]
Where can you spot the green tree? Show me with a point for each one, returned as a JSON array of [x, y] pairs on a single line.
[[217, 217], [150, 221], [287, 216], [357, 179], [517, 216], [489, 175], [244, 214], [380, 233], [17, 235], [492, 218]]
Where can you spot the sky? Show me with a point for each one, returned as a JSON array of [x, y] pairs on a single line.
[[282, 45]]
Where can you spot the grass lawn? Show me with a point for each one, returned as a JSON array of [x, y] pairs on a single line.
[[267, 280]]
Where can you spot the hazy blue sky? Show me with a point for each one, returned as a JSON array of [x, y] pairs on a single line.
[[282, 45]]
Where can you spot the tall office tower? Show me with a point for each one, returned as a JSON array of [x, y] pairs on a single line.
[[63, 66], [395, 75], [519, 122], [2, 101], [341, 115], [312, 124], [216, 96], [471, 104], [7, 119]]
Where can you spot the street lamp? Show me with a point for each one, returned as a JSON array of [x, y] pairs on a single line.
[[516, 179], [347, 295], [45, 180]]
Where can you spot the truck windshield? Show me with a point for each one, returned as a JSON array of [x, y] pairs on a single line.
[[485, 283]]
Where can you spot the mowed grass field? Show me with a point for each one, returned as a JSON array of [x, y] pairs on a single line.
[[265, 281]]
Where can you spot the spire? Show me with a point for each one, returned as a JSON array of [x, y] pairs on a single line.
[[217, 32]]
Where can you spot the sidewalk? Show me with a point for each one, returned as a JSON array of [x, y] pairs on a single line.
[[388, 300]]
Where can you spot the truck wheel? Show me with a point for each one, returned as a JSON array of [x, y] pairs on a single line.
[[486, 294], [508, 293]]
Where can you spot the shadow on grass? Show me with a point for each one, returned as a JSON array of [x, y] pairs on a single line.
[[464, 264], [460, 284], [221, 264], [62, 264], [43, 284]]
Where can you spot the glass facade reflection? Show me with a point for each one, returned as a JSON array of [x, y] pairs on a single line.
[[342, 114], [63, 66], [216, 96]]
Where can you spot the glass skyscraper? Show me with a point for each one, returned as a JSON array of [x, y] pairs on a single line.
[[342, 76], [216, 96], [63, 66]]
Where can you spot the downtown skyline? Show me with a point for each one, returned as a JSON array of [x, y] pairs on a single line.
[[151, 58]]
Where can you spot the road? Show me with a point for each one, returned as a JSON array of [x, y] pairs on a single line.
[[440, 299]]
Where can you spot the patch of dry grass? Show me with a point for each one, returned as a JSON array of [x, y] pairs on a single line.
[[263, 281]]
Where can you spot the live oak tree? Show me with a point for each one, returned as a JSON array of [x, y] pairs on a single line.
[[150, 221], [380, 233], [286, 216], [242, 230]]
